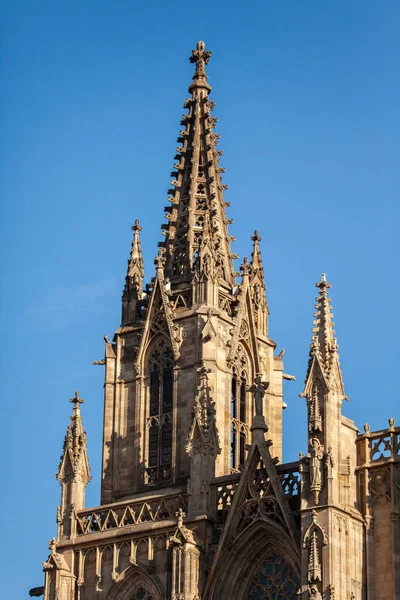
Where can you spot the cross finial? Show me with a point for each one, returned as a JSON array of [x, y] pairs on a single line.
[[323, 283], [200, 56], [245, 267], [256, 237], [136, 226], [76, 400], [181, 515], [53, 545], [159, 260]]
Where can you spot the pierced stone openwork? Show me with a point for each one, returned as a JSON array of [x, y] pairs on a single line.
[[239, 426], [159, 420], [275, 580], [261, 502]]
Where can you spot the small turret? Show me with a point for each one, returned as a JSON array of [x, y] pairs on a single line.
[[324, 348], [258, 287], [73, 471], [134, 279]]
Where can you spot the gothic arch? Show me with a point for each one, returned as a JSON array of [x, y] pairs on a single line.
[[240, 405], [131, 581], [159, 401], [246, 556]]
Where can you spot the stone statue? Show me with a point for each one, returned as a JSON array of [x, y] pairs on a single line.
[[317, 454], [258, 389], [314, 593]]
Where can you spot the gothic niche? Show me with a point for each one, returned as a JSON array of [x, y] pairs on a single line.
[[314, 407], [275, 579], [159, 412], [314, 540]]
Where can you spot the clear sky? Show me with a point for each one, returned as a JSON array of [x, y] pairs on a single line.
[[92, 92]]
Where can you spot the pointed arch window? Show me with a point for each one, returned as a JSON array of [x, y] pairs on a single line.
[[160, 408], [239, 427]]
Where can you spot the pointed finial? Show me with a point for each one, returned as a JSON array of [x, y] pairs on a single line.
[[159, 261], [77, 401], [136, 226], [53, 545], [135, 262], [256, 237], [181, 515], [323, 283], [200, 56], [245, 267]]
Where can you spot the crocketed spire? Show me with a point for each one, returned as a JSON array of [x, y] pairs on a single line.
[[196, 217], [257, 286], [74, 463], [324, 346], [134, 278]]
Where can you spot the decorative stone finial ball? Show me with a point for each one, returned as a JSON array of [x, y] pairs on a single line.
[[200, 45]]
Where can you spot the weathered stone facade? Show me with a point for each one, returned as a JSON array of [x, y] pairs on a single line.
[[195, 502]]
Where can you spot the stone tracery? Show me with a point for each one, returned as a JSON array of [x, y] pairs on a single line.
[[275, 580]]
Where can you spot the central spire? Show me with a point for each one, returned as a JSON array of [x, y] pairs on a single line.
[[197, 226]]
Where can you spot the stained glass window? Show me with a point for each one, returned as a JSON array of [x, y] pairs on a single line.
[[142, 594], [275, 580], [159, 421]]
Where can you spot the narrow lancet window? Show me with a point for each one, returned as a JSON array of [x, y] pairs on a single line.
[[160, 408], [239, 427]]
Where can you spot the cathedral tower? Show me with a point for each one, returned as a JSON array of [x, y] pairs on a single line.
[[196, 503], [184, 321]]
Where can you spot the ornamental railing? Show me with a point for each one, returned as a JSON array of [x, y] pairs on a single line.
[[129, 513], [376, 447]]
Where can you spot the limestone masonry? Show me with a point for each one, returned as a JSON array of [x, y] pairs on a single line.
[[195, 501]]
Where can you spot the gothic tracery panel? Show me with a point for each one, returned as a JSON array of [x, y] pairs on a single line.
[[275, 580]]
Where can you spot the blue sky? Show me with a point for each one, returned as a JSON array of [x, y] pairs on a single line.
[[92, 93]]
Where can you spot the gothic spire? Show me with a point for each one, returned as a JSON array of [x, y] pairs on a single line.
[[134, 278], [257, 286], [73, 471], [197, 217], [324, 346], [74, 461]]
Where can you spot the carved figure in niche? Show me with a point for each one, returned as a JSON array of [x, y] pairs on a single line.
[[257, 295], [317, 454], [315, 414], [136, 286], [258, 389], [314, 593], [207, 265]]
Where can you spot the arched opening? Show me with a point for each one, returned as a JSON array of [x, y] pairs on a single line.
[[135, 584], [262, 555], [159, 412], [239, 409]]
